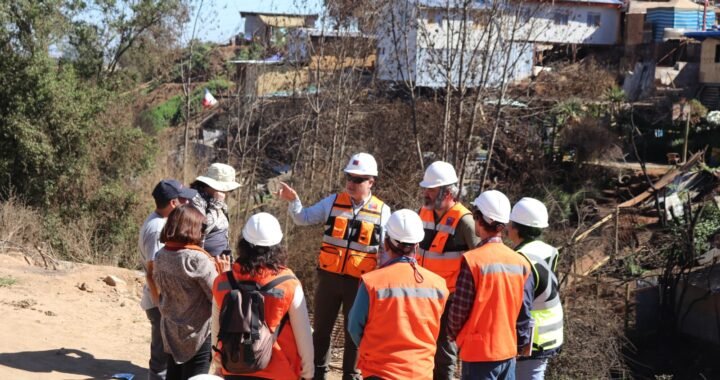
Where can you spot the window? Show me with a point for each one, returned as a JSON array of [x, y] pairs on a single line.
[[717, 53], [561, 18], [593, 19]]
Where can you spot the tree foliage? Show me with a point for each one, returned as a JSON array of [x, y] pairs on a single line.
[[65, 147]]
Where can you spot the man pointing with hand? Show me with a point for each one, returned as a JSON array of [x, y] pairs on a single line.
[[354, 229]]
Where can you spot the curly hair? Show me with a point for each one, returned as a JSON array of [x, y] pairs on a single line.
[[255, 259]]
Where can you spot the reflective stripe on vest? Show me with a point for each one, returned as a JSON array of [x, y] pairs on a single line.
[[403, 322], [351, 240], [438, 251], [546, 310]]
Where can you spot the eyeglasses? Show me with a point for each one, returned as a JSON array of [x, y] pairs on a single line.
[[354, 179]]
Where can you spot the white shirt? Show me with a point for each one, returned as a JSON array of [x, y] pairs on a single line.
[[149, 244], [319, 212]]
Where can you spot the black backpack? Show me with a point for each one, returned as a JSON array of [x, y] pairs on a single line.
[[246, 339]]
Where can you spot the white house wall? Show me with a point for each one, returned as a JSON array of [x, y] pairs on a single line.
[[586, 25], [431, 35], [484, 68], [396, 49]]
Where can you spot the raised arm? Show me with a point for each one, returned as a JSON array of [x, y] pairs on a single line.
[[305, 216]]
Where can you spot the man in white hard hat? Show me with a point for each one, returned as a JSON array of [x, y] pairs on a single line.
[[395, 319], [527, 220], [490, 315], [354, 222], [449, 233]]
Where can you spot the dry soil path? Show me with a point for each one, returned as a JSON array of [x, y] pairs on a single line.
[[69, 324]]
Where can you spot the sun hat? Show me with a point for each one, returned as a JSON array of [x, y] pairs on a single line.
[[220, 177]]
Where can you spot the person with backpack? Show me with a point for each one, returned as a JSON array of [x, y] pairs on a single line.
[[212, 188], [395, 320], [260, 323], [184, 274]]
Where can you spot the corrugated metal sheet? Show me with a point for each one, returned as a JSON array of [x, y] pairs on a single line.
[[677, 19]]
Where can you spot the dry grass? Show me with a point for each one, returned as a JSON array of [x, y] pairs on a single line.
[[20, 225]]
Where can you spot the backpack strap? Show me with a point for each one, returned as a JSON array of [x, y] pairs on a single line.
[[270, 285], [279, 280]]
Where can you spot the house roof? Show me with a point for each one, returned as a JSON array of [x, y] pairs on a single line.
[[644, 6], [592, 2], [479, 4], [281, 14], [342, 33]]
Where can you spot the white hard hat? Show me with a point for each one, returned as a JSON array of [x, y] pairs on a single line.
[[262, 229], [362, 164], [494, 205], [439, 173], [530, 212], [405, 226]]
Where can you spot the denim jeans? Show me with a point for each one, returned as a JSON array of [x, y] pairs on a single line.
[[158, 357], [533, 369], [502, 370]]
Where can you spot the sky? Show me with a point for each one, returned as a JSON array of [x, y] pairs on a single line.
[[219, 20]]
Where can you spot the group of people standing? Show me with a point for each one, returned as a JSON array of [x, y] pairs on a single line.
[[416, 289]]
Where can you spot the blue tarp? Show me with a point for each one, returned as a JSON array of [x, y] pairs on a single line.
[[700, 36]]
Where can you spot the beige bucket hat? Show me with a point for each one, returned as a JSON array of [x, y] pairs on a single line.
[[220, 177]]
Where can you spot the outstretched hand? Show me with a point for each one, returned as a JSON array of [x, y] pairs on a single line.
[[286, 192]]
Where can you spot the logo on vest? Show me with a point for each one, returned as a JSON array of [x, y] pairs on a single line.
[[449, 221]]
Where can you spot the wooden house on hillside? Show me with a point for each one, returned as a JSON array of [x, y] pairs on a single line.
[[709, 73], [261, 26]]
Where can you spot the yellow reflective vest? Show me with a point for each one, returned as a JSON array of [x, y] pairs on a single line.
[[546, 309]]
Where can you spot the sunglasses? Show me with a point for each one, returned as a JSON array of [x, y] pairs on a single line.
[[354, 179]]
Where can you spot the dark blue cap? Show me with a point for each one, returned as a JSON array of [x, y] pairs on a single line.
[[168, 189]]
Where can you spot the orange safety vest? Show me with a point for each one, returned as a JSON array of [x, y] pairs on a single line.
[[438, 250], [490, 334], [403, 322], [285, 362], [351, 241]]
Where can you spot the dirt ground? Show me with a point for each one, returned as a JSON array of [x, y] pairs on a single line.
[[69, 324]]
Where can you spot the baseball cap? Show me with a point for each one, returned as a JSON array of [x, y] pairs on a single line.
[[168, 189]]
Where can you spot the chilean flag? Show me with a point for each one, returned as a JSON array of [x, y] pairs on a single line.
[[209, 101]]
